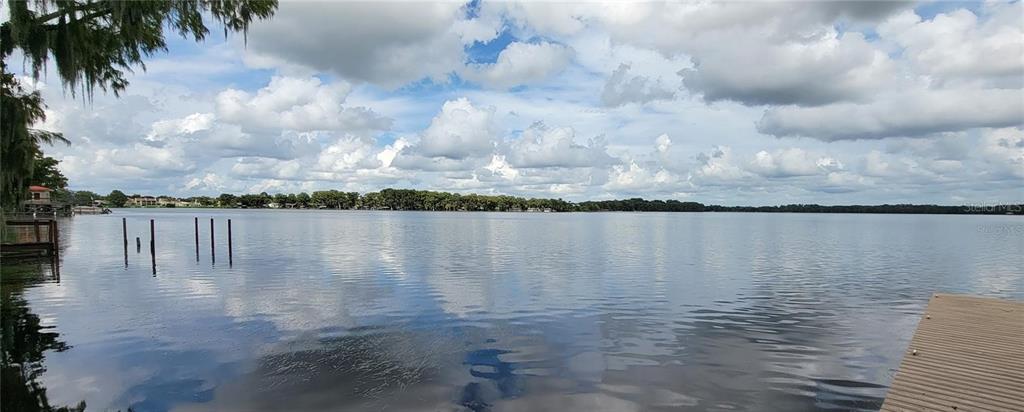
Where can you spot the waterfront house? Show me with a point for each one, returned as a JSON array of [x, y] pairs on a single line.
[[39, 195], [142, 201], [38, 199]]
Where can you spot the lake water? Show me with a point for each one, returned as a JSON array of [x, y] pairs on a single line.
[[419, 311]]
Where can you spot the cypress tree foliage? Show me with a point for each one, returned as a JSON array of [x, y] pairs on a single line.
[[92, 43], [19, 144]]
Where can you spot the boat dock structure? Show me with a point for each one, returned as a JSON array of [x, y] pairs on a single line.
[[966, 355], [35, 236]]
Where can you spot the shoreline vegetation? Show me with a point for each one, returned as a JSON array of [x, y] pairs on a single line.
[[425, 200]]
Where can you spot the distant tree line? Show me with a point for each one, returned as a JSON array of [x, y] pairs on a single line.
[[387, 199], [407, 199], [991, 209], [640, 205]]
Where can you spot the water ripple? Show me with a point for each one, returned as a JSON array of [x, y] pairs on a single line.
[[474, 311]]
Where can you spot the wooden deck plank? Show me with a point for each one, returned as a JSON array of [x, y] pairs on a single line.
[[29, 245], [966, 355]]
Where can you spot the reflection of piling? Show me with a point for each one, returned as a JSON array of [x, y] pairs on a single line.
[[55, 264], [124, 234], [54, 240], [138, 245], [54, 236], [213, 255], [197, 239], [152, 244], [230, 260]]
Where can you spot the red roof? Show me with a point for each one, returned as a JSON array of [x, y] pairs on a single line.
[[39, 189]]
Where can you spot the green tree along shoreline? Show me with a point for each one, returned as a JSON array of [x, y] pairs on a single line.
[[426, 200], [91, 44]]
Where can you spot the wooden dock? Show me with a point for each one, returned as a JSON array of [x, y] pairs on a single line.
[[967, 355], [30, 237]]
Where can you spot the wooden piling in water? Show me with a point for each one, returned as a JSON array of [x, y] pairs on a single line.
[[213, 255], [124, 234], [35, 226], [197, 239], [152, 244], [230, 259]]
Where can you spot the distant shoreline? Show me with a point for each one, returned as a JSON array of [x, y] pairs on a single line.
[[426, 200], [1013, 210]]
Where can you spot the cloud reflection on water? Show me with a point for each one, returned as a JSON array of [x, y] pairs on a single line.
[[450, 311]]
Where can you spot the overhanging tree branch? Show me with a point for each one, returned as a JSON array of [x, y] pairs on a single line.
[[92, 44], [67, 11]]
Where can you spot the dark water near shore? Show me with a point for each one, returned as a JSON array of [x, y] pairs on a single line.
[[345, 310]]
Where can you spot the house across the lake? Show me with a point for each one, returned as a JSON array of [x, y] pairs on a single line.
[[162, 201], [168, 201], [142, 201]]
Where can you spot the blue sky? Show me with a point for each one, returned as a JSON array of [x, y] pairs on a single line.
[[734, 103]]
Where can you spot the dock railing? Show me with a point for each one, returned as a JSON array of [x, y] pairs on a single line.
[[30, 237]]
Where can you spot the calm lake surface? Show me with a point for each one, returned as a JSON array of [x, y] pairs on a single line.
[[419, 311]]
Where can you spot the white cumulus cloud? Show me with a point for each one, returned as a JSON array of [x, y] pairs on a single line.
[[521, 63], [541, 146], [459, 131]]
